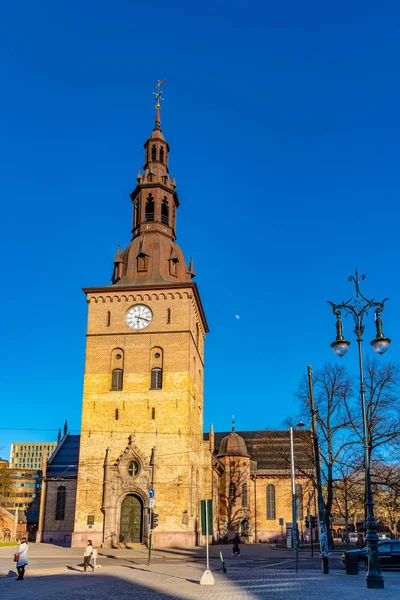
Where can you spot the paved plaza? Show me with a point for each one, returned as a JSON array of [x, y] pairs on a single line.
[[123, 574]]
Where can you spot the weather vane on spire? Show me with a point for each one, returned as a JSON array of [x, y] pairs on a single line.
[[158, 93]]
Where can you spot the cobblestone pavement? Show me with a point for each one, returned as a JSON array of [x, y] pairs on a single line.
[[176, 581]]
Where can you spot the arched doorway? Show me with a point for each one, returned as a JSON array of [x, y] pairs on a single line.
[[131, 523]]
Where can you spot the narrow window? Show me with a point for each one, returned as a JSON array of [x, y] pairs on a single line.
[[172, 266], [299, 502], [156, 379], [244, 494], [165, 212], [232, 494], [116, 380], [149, 210], [116, 414], [60, 503], [168, 316], [141, 263], [153, 413], [197, 335], [271, 502], [162, 154], [153, 152], [108, 318]]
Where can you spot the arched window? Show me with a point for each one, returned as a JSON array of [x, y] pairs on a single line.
[[165, 212], [153, 152], [149, 211], [60, 503], [271, 512], [299, 502], [116, 380], [244, 494], [232, 494], [156, 379], [162, 154]]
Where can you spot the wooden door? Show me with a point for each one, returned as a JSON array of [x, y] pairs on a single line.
[[131, 520]]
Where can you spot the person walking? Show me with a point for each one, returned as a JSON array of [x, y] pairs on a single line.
[[87, 555], [22, 559], [235, 545]]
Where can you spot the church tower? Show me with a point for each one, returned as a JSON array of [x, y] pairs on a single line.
[[142, 416]]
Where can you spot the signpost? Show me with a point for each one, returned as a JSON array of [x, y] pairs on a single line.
[[207, 529], [281, 523], [152, 522]]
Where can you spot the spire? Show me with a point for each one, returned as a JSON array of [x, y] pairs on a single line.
[[190, 269], [118, 256], [59, 436], [233, 423], [65, 427]]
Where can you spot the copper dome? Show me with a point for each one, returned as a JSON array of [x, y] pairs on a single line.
[[233, 445]]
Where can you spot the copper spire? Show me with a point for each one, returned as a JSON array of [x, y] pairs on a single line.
[[158, 95], [118, 256], [190, 269]]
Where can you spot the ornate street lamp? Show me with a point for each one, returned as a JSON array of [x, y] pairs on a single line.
[[358, 306]]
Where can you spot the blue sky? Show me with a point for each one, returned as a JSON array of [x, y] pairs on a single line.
[[283, 122]]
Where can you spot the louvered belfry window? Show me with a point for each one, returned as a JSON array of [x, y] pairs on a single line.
[[153, 153], [232, 494], [60, 503], [116, 379], [271, 512], [156, 379]]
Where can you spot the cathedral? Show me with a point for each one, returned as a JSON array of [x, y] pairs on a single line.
[[142, 440]]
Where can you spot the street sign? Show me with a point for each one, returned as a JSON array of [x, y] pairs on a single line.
[[152, 503], [281, 522], [151, 493]]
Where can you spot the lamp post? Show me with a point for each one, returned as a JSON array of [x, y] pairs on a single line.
[[358, 306], [294, 502]]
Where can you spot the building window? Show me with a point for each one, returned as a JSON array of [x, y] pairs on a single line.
[[232, 494], [141, 263], [172, 266], [153, 152], [90, 520], [108, 318], [271, 513], [116, 414], [168, 316], [299, 502], [165, 212], [197, 335], [153, 413], [149, 210], [116, 380], [244, 494], [156, 379], [60, 504], [162, 154]]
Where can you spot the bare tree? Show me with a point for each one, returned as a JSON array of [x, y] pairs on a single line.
[[333, 392], [5, 485]]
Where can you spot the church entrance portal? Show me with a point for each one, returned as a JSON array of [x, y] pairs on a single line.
[[131, 520]]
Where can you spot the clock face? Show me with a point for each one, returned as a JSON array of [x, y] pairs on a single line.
[[139, 317]]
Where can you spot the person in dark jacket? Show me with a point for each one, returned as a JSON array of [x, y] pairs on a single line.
[[235, 545]]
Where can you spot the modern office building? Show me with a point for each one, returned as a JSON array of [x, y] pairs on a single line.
[[28, 455]]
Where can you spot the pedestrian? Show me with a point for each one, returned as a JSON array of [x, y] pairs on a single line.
[[22, 560], [87, 555], [235, 545]]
